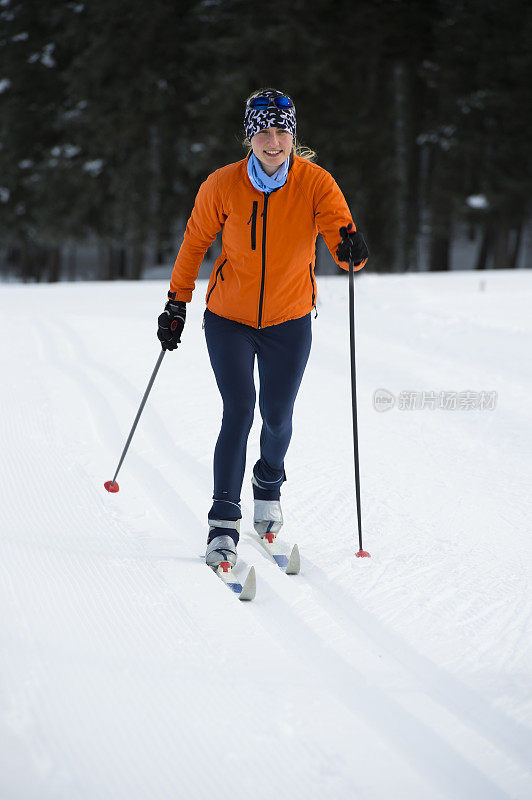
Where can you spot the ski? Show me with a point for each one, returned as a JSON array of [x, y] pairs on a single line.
[[245, 591], [289, 563]]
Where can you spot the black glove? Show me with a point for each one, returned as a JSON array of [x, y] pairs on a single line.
[[171, 324], [352, 247]]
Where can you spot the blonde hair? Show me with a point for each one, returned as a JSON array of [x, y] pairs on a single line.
[[298, 149]]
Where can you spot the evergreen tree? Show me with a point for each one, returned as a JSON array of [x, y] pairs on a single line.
[[112, 113]]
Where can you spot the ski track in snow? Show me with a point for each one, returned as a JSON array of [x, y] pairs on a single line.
[[130, 664]]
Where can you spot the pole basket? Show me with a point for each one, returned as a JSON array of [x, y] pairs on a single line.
[[111, 486], [363, 554]]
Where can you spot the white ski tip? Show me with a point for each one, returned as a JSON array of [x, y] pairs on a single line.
[[249, 589], [294, 562]]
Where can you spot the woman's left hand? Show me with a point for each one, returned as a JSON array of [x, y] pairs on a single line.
[[352, 248]]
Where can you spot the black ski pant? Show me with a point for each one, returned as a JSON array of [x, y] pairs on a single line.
[[282, 353]]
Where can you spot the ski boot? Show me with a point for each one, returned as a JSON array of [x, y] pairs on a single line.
[[267, 516], [222, 542]]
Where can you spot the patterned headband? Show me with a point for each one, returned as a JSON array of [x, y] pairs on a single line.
[[256, 119]]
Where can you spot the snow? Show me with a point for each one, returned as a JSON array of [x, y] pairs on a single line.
[[129, 671], [479, 201], [94, 167]]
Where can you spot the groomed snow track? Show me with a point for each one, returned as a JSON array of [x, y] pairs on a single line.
[[128, 671]]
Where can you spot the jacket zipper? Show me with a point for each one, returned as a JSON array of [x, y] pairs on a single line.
[[253, 222], [313, 290], [264, 216], [312, 282], [218, 272]]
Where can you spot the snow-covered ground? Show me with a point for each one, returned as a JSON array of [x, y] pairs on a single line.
[[129, 671]]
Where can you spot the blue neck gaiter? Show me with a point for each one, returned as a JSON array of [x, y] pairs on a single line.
[[264, 182]]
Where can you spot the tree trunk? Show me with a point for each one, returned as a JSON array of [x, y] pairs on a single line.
[[104, 263], [514, 251], [33, 261], [25, 264], [485, 245], [500, 249], [440, 240], [120, 262], [54, 261], [439, 252], [136, 262], [424, 217], [401, 167], [72, 262]]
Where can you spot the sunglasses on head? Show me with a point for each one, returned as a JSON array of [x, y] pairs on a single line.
[[264, 101]]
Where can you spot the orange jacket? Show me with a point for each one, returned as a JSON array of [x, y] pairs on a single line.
[[265, 272]]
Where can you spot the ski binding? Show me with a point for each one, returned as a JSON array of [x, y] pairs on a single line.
[[245, 591], [290, 564]]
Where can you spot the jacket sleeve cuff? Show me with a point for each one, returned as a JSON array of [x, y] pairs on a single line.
[[345, 265], [181, 294]]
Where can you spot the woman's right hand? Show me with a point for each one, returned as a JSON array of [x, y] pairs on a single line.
[[171, 324]]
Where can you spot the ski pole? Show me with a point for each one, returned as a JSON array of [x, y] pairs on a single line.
[[112, 486], [361, 553]]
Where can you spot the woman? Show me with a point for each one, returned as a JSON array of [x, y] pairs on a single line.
[[271, 206]]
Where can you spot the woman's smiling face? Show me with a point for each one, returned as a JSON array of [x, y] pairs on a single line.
[[272, 146]]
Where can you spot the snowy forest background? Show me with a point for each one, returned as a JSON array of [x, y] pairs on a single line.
[[112, 112]]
